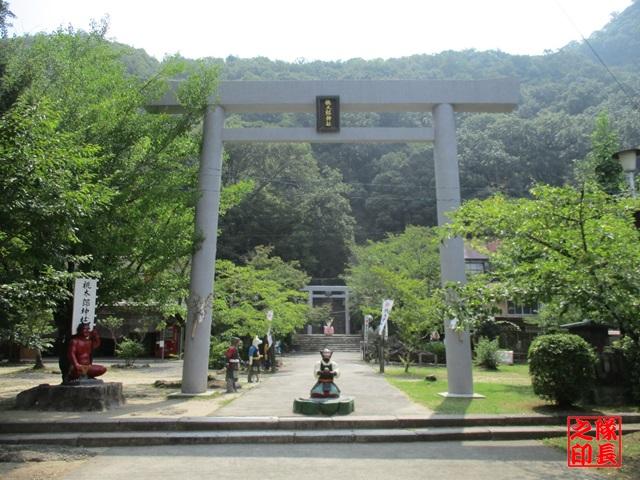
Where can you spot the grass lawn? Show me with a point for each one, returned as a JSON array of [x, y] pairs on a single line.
[[630, 456], [507, 390]]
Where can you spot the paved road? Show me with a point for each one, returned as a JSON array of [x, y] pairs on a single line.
[[274, 395], [520, 460]]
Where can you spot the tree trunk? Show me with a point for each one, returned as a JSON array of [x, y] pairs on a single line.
[[62, 317], [407, 364], [272, 357], [39, 363], [14, 352]]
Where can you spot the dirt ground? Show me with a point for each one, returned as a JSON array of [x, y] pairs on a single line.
[[41, 462], [143, 399]]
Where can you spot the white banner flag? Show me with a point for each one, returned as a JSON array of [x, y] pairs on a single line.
[[84, 303], [270, 319], [387, 305]]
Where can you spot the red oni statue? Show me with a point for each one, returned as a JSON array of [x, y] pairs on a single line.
[[79, 354]]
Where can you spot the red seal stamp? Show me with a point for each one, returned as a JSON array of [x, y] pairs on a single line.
[[594, 442]]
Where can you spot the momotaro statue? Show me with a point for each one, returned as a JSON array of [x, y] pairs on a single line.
[[325, 396], [325, 371], [79, 354]]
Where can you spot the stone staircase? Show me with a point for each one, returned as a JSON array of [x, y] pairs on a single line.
[[337, 343], [111, 432]]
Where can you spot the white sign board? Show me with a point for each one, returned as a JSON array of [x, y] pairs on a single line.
[[387, 305], [505, 356], [84, 303]]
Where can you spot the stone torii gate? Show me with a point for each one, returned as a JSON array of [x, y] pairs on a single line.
[[442, 98]]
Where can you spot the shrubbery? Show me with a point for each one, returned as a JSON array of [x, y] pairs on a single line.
[[487, 353], [438, 349], [217, 349], [561, 367], [631, 353], [129, 349]]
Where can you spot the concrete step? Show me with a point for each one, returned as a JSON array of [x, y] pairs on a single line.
[[337, 343], [434, 434], [287, 423]]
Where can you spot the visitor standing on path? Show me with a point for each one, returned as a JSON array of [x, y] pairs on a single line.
[[233, 365]]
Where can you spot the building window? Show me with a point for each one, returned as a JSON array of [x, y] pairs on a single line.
[[514, 308], [472, 267]]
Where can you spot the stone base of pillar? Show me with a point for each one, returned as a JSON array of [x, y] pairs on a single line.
[[460, 395], [207, 393]]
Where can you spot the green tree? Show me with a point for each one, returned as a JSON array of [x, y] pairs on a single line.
[[34, 331], [600, 164], [402, 192], [574, 248], [405, 268], [113, 324], [47, 188], [245, 293], [319, 316], [294, 206], [139, 234], [5, 14]]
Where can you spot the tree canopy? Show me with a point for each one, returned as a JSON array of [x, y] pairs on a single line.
[[93, 184], [573, 246], [405, 268], [294, 206], [47, 187], [245, 293]]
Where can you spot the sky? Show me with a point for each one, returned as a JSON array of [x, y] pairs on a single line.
[[304, 30]]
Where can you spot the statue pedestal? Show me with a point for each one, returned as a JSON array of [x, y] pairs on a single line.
[[80, 397], [329, 406]]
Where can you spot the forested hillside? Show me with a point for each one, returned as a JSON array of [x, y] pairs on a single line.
[[392, 186], [310, 202], [618, 43]]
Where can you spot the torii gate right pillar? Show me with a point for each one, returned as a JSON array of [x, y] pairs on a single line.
[[457, 343]]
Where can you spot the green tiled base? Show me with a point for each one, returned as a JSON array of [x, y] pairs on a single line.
[[332, 406]]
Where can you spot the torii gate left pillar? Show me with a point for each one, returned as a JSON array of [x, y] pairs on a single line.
[[442, 98], [203, 264]]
